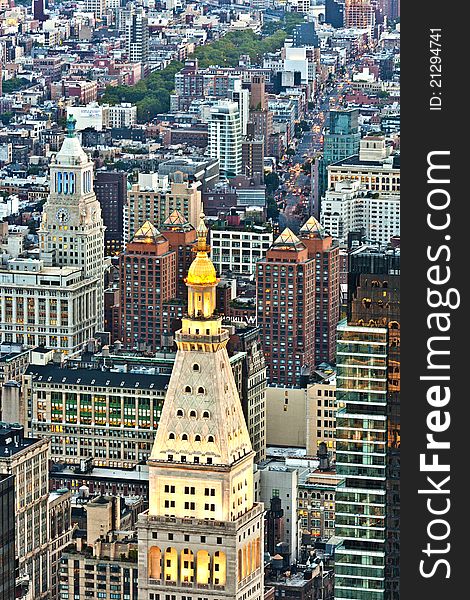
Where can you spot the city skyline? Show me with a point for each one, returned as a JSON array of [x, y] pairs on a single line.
[[200, 300]]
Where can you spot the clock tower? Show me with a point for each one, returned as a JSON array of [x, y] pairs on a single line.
[[72, 230]]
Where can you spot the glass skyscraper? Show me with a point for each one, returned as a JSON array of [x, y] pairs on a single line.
[[367, 424]]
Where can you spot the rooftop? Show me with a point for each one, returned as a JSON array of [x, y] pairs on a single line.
[[53, 373]]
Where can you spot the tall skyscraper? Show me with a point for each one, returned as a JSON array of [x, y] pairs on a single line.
[[241, 96], [325, 252], [56, 300], [368, 430], [111, 191], [137, 36], [147, 275], [258, 93], [7, 537], [203, 532], [341, 140], [225, 137], [359, 13], [285, 298], [72, 230]]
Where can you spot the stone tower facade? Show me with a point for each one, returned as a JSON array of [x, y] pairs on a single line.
[[202, 536], [72, 230]]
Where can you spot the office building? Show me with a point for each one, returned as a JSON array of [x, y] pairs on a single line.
[[57, 300], [359, 14], [7, 537], [316, 507], [334, 13], [154, 197], [147, 278], [349, 208], [97, 7], [111, 192], [258, 93], [342, 136], [38, 10], [181, 236], [325, 252], [137, 36], [253, 156], [203, 532], [27, 460], [375, 167], [263, 127], [368, 430], [89, 412], [102, 561], [277, 480], [60, 530], [225, 137], [246, 340], [237, 250], [285, 297]]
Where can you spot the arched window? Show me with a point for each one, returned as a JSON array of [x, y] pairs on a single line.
[[196, 367], [187, 566], [171, 436], [66, 183], [210, 438], [197, 438], [188, 389], [203, 567], [72, 183], [180, 412], [184, 437], [171, 565], [201, 390], [59, 182], [205, 414], [155, 563], [258, 553], [192, 414], [219, 573]]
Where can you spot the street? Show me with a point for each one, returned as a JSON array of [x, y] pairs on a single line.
[[295, 188]]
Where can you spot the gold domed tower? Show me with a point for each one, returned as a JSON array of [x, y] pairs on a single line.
[[203, 531], [202, 279]]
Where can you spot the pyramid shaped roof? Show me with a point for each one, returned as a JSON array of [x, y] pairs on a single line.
[[313, 227], [148, 234]]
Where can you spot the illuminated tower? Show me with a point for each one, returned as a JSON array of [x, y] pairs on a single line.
[[202, 535]]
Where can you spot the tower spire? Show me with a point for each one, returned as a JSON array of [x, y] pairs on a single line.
[[70, 125]]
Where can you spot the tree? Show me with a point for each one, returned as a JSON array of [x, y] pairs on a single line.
[[15, 84], [271, 181], [5, 118], [272, 208]]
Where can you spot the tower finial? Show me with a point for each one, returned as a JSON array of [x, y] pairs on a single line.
[[71, 122], [202, 232]]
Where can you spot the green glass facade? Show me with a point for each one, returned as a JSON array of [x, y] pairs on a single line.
[[361, 454], [368, 430]]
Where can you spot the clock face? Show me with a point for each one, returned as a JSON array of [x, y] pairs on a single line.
[[62, 216]]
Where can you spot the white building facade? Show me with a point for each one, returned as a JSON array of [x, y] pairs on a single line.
[[225, 137], [57, 300]]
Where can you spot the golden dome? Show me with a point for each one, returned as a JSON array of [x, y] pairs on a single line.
[[201, 271]]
